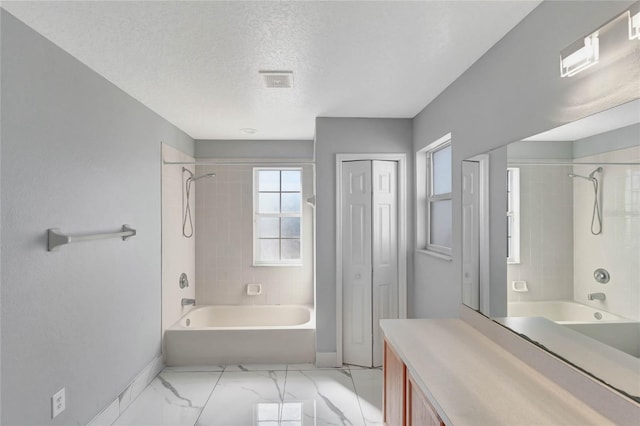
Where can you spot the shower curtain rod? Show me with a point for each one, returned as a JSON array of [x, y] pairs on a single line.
[[241, 162], [591, 163]]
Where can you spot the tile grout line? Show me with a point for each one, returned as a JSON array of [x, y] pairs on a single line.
[[284, 392], [364, 422], [210, 394]]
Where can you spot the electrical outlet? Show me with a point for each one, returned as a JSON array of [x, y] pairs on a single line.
[[58, 403]]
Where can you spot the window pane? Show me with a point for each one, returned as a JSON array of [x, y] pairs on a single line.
[[268, 411], [440, 227], [269, 180], [291, 227], [291, 202], [292, 411], [268, 202], [291, 180], [442, 171], [290, 249], [268, 250], [268, 227]]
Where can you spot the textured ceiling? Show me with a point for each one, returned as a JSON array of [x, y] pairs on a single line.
[[196, 63]]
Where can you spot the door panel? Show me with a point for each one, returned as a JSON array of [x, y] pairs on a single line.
[[356, 262], [385, 252]]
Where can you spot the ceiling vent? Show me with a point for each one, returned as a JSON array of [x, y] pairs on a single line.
[[277, 79]]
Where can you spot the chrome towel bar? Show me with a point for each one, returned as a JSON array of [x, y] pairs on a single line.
[[57, 239]]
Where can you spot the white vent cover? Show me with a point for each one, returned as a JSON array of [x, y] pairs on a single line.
[[277, 79]]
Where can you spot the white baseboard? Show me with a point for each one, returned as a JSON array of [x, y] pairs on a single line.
[[116, 407], [326, 359]]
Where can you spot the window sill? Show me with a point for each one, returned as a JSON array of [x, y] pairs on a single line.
[[435, 254]]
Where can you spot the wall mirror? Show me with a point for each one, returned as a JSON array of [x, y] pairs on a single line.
[[568, 274]]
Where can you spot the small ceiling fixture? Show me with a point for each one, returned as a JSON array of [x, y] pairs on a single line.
[[634, 22], [248, 130], [277, 79], [580, 55]]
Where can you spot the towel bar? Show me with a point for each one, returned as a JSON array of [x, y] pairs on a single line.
[[57, 239]]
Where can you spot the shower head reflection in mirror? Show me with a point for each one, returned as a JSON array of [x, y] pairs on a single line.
[[597, 209], [187, 231]]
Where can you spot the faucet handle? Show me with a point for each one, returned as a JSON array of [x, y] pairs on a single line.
[[601, 275]]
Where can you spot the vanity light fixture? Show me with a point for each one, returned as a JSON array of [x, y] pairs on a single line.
[[634, 22], [579, 56]]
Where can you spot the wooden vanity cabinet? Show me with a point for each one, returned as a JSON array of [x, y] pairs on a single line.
[[419, 410], [404, 402], [395, 374]]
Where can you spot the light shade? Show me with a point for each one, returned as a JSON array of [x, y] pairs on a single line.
[[579, 56], [634, 22]]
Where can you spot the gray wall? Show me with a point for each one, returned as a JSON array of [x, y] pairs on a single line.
[[624, 137], [348, 135], [540, 150], [512, 92], [254, 149], [80, 155]]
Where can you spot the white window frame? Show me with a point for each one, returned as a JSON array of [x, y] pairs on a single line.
[[256, 215], [425, 197], [513, 215]]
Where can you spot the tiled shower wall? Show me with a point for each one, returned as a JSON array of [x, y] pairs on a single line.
[[546, 234], [617, 249], [178, 252], [224, 243]]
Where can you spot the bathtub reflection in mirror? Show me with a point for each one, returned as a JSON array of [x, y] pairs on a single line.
[[573, 243]]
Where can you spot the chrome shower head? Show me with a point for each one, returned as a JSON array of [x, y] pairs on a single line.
[[598, 170], [192, 179], [195, 178], [590, 177], [573, 175]]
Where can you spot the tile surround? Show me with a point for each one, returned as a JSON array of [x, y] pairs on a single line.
[[558, 263], [224, 244], [617, 249], [546, 235]]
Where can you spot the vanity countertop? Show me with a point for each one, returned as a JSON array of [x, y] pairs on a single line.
[[473, 381]]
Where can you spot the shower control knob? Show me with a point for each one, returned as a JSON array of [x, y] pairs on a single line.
[[184, 281], [601, 275]]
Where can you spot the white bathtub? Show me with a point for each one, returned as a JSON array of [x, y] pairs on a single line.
[[232, 334], [562, 312]]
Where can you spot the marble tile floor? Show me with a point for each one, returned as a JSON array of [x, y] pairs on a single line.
[[259, 395]]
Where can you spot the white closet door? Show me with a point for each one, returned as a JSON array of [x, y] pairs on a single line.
[[385, 249], [356, 263], [470, 234]]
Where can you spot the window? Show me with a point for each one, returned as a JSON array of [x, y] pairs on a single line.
[[277, 216], [513, 215], [433, 202], [439, 203]]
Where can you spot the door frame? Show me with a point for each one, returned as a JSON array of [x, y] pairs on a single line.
[[401, 159], [484, 229]]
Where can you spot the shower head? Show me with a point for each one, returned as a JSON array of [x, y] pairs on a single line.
[[598, 170], [573, 175], [590, 177], [195, 178]]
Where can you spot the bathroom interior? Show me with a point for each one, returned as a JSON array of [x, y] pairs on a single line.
[[228, 292]]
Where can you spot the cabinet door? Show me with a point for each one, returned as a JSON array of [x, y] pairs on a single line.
[[419, 411], [394, 390]]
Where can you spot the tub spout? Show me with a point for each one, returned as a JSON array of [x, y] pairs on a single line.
[[596, 296], [186, 302]]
